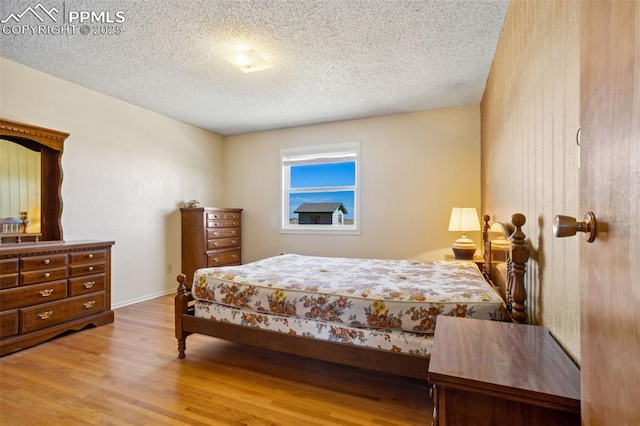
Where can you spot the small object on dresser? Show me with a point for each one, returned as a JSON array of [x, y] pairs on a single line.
[[192, 204]]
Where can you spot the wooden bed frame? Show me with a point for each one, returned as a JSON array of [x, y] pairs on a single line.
[[356, 356]]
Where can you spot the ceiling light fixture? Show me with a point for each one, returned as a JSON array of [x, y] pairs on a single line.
[[248, 61]]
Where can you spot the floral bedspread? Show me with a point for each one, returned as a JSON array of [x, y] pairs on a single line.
[[363, 293], [418, 344]]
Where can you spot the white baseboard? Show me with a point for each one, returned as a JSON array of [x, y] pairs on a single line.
[[142, 299]]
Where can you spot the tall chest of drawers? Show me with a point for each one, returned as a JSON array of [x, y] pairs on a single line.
[[48, 288], [210, 237]]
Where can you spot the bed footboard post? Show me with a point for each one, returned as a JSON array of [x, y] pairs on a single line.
[[519, 258], [181, 306]]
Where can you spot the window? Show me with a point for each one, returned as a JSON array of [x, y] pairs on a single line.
[[320, 189]]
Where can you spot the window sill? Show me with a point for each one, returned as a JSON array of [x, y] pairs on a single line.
[[321, 230]]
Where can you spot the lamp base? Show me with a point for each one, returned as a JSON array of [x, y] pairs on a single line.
[[464, 254], [464, 249]]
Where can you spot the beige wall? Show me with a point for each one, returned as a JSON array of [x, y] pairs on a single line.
[[126, 172], [414, 168], [530, 115]]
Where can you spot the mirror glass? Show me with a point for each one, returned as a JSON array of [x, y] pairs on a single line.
[[20, 183]]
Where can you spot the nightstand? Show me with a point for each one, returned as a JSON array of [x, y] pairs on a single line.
[[477, 259], [495, 373]]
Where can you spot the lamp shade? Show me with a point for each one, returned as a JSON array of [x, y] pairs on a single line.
[[464, 219]]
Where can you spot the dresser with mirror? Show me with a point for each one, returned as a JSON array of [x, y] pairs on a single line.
[[48, 286]]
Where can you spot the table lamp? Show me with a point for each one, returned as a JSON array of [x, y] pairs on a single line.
[[464, 219]]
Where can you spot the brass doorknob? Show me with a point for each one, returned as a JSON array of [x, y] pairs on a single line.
[[567, 226]]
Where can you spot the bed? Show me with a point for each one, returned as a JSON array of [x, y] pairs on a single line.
[[377, 314]]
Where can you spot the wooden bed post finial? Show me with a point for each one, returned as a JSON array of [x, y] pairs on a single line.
[[485, 228], [519, 258], [182, 288]]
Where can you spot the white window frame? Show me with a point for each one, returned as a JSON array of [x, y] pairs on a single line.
[[320, 154]]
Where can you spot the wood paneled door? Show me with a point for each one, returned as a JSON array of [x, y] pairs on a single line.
[[610, 187]]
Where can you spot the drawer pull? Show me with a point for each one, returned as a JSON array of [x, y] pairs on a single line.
[[234, 256], [47, 261], [234, 224], [89, 304], [216, 244], [90, 268], [90, 255], [233, 242], [46, 293], [233, 232], [216, 259], [47, 275], [45, 315], [89, 284]]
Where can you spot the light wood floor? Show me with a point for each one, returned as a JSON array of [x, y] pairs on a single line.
[[129, 373]]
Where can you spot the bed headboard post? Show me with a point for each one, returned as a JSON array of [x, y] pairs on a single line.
[[486, 245], [519, 258]]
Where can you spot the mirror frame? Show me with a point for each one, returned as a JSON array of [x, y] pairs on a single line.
[[51, 146]]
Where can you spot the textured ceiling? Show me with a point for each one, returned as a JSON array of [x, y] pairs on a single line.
[[332, 60]]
